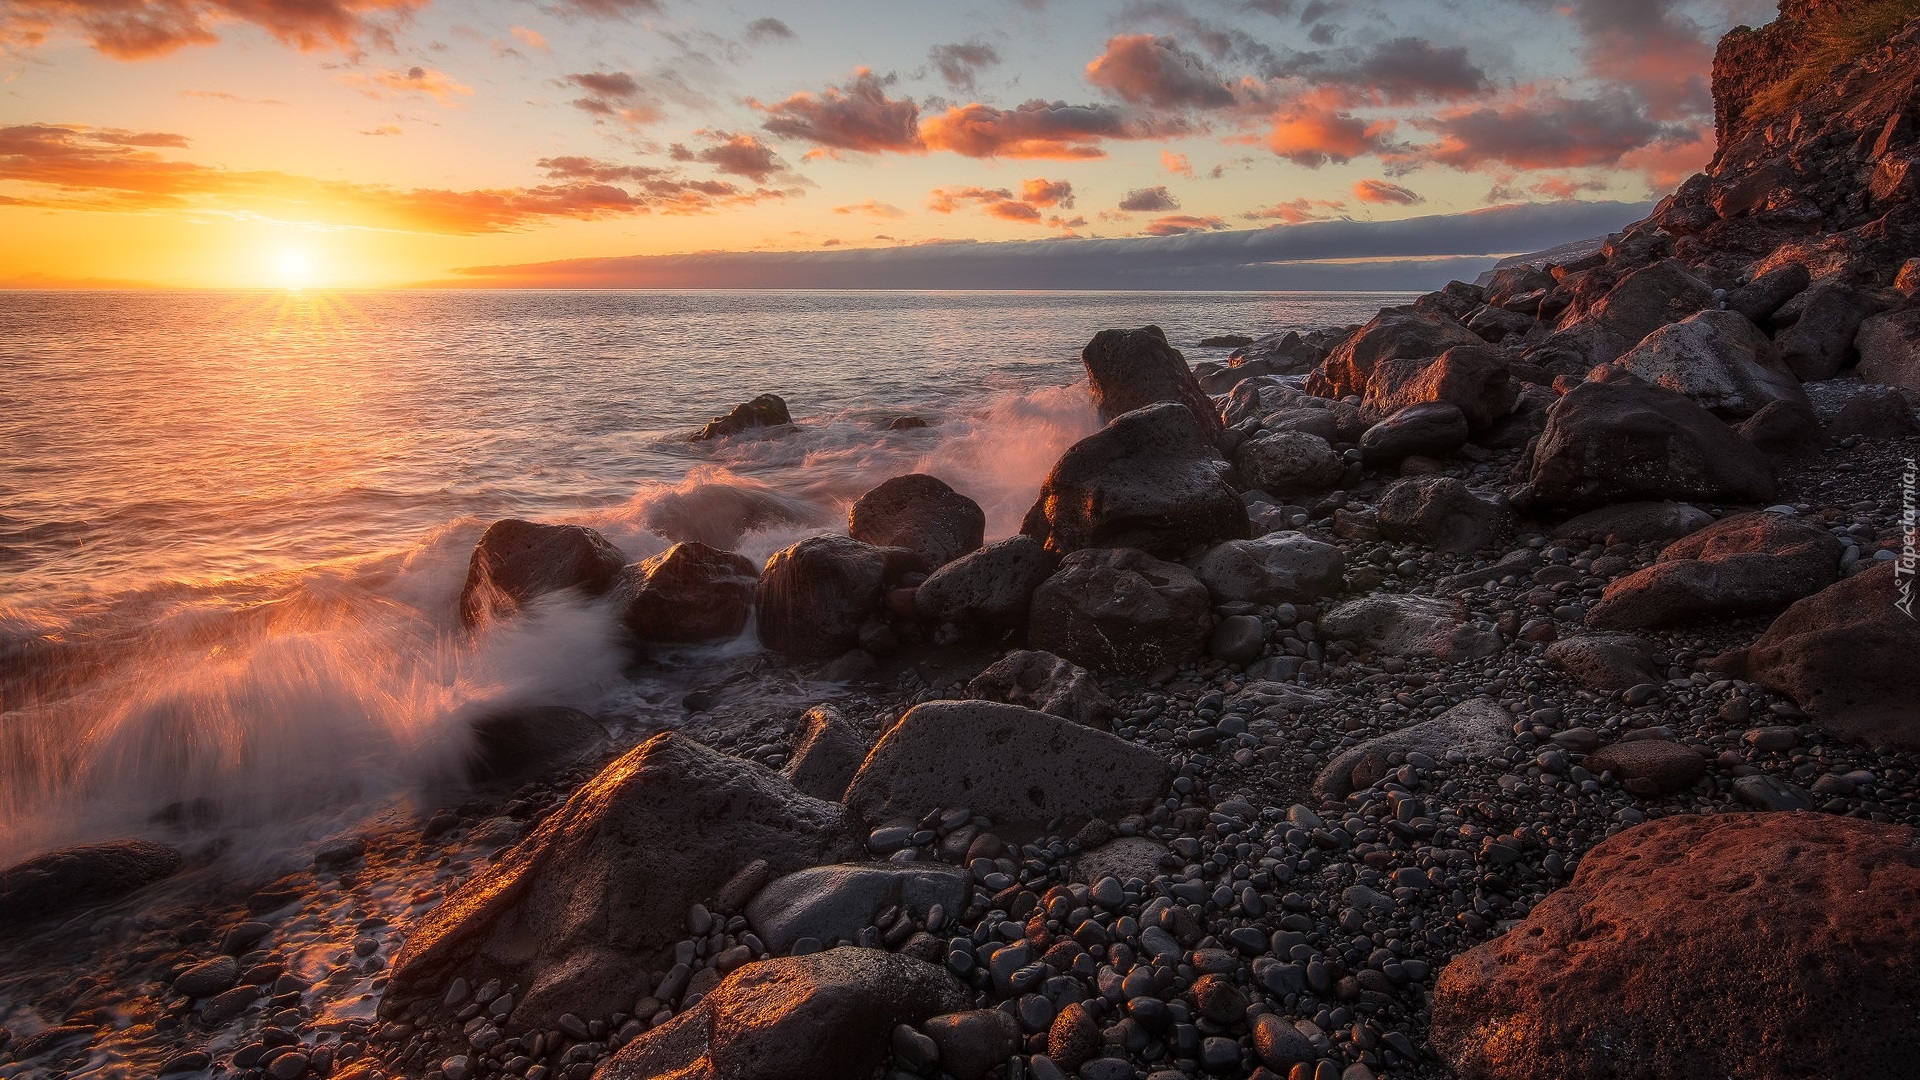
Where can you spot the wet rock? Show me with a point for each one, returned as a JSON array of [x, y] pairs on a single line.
[[517, 561], [1288, 463], [1610, 442], [1605, 661], [989, 588], [1753, 984], [1820, 341], [209, 977], [824, 1016], [813, 596], [1147, 480], [72, 878], [1120, 610], [1889, 347], [1720, 360], [519, 744], [1440, 511], [1280, 1045], [973, 1043], [827, 750], [687, 593], [1046, 683], [1278, 568], [829, 903], [1435, 430], [1019, 768], [765, 411], [919, 513], [1473, 379], [1132, 369], [595, 896], [1636, 523], [1411, 626], [1741, 565], [1285, 353], [1649, 766], [1402, 333], [1477, 728]]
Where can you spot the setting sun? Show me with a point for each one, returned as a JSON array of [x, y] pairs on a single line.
[[295, 268]]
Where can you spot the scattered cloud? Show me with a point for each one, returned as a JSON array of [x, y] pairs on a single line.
[[532, 39], [435, 84], [1146, 70], [383, 129], [769, 29], [856, 116], [603, 9], [1036, 195], [614, 95], [1295, 211], [1176, 164], [1382, 191], [1311, 133], [222, 95], [144, 29], [1149, 200], [871, 208], [1537, 128], [1180, 224], [735, 155], [1039, 129], [960, 64]]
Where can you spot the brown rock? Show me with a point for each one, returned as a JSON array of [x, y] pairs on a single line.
[[973, 1043], [1655, 766], [1120, 610], [1889, 348], [689, 592], [1474, 378], [1620, 441], [1402, 333], [1132, 369], [919, 513], [516, 561], [1046, 683], [1741, 565]]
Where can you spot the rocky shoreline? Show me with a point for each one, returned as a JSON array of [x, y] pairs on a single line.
[[1514, 686]]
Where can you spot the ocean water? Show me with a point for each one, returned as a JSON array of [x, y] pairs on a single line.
[[233, 526]]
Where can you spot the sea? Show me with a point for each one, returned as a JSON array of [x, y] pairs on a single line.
[[234, 525]]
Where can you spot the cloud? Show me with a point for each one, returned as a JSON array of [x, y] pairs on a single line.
[[1381, 191], [1040, 191], [1410, 253], [1176, 164], [736, 155], [1179, 224], [1538, 129], [1652, 49], [383, 129], [435, 84], [222, 95], [532, 39], [614, 95], [871, 208], [769, 29], [604, 9], [1398, 71], [961, 63], [1036, 195], [1039, 129], [1546, 187], [1149, 200], [855, 116], [1142, 69], [1312, 134], [144, 29], [1295, 211]]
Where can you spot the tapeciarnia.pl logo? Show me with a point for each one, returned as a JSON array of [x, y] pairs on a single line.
[[1904, 568]]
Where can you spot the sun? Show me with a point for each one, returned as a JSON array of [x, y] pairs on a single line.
[[295, 267]]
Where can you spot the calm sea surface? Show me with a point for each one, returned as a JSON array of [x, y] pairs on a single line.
[[233, 525]]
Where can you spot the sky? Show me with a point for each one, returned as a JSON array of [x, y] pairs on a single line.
[[993, 143]]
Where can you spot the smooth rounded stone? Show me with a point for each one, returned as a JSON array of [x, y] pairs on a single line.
[[765, 411], [1219, 1054], [1612, 442], [1783, 430], [209, 977], [1649, 766], [1017, 767], [973, 1043], [1278, 568], [1752, 981], [1442, 512], [1216, 998], [1120, 610], [688, 593], [578, 911], [1763, 792], [1289, 463], [1845, 656], [1106, 1068], [1889, 348], [1042, 1067], [1073, 1038], [1435, 430], [824, 1016], [1046, 683], [1604, 661], [1133, 369], [919, 513], [1279, 1044], [532, 741], [1397, 333], [1148, 480], [224, 1007], [517, 561], [1036, 1012], [1636, 523], [826, 751], [991, 588], [813, 596], [1772, 739], [294, 1066], [1720, 360], [70, 878], [1475, 729], [1472, 378], [1410, 626], [1238, 639], [1876, 413], [829, 902], [186, 1061], [1743, 564]]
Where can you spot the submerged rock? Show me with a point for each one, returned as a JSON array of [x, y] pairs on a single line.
[[61, 881], [517, 561], [767, 410], [687, 593]]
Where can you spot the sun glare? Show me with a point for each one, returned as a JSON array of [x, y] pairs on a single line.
[[295, 267]]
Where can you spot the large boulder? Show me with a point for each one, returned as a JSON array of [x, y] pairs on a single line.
[[1285, 353], [813, 596], [1132, 369], [1410, 626], [1760, 298], [519, 744], [1278, 568], [1649, 767], [1400, 333], [1742, 565], [827, 751], [1288, 463], [989, 588], [1636, 523], [1720, 360], [63, 881], [687, 593], [1147, 480], [517, 561], [765, 411], [1472, 378], [1121, 610], [1845, 655], [833, 903], [1478, 728], [578, 911], [1820, 341], [1046, 683], [1876, 412], [1889, 347], [919, 513], [1020, 768], [825, 1016], [1434, 430], [1439, 510], [1640, 303], [1605, 661], [1608, 442], [1762, 946]]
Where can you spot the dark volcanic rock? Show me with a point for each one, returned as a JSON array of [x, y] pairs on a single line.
[[1439, 510], [1132, 369], [1636, 523], [1720, 360], [1642, 302], [516, 561], [689, 592], [1018, 767], [1820, 341], [1472, 378], [827, 751], [1783, 429], [1119, 609], [1845, 655], [70, 878], [1288, 463], [1402, 333], [1605, 661], [519, 744], [1435, 430], [919, 513], [813, 596], [595, 896], [1741, 565], [1889, 348], [829, 903], [1046, 683], [1619, 441], [1147, 480], [1477, 728], [826, 1016], [1278, 568], [1411, 626], [1763, 946], [973, 1043], [767, 410], [1649, 766], [991, 587], [1876, 413], [1766, 294]]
